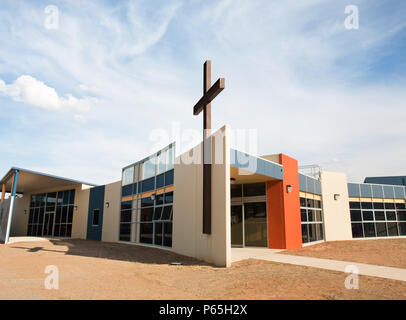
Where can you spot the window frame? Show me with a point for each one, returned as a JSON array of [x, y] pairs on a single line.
[[98, 217]]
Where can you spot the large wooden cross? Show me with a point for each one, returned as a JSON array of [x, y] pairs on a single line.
[[204, 104]]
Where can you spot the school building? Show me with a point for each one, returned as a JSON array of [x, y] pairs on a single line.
[[256, 201]]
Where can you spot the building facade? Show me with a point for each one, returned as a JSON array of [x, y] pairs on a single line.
[[256, 202]]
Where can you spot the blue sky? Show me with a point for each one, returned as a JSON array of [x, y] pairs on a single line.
[[84, 100]]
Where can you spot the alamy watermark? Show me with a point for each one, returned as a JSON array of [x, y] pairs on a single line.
[[51, 21], [351, 22], [352, 281], [192, 151], [52, 280]]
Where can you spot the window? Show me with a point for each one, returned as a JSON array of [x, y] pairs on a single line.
[[366, 205], [355, 205], [303, 214], [151, 221], [146, 233], [378, 205], [125, 216], [236, 191], [128, 176], [96, 216], [368, 215], [357, 231], [125, 232], [160, 199], [356, 215], [149, 168], [379, 216], [380, 229], [51, 214], [161, 164], [312, 220], [382, 219], [169, 197], [170, 158], [254, 189]]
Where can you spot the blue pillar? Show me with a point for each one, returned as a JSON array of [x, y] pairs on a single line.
[[11, 210]]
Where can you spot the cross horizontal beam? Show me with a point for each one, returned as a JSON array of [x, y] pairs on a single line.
[[209, 96]]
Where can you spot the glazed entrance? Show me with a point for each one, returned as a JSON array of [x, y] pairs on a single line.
[[249, 215]]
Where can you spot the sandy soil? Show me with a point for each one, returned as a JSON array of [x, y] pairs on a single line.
[[384, 252], [92, 270]]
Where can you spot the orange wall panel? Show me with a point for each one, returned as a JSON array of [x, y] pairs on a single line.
[[276, 223], [284, 222]]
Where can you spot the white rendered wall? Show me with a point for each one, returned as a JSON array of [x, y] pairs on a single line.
[[336, 213], [188, 238]]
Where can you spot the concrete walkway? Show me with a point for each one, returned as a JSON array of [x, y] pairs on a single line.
[[238, 254], [26, 239]]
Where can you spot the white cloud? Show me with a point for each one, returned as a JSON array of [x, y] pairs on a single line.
[[33, 92]]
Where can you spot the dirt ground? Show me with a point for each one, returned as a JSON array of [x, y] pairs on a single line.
[[93, 270], [383, 252]]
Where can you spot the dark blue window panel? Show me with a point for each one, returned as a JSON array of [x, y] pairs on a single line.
[[148, 185], [399, 192], [366, 190], [388, 192], [302, 183], [169, 177], [353, 190], [160, 181], [127, 190], [310, 185], [377, 191], [96, 201]]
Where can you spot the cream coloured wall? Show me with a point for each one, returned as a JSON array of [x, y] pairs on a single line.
[[111, 215], [188, 238], [19, 224], [79, 226], [336, 213]]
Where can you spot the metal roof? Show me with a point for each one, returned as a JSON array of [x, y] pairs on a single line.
[[29, 180]]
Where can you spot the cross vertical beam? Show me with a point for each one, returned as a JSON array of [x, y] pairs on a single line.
[[207, 151], [204, 104]]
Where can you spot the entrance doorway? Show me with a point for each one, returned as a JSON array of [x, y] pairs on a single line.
[[249, 225]]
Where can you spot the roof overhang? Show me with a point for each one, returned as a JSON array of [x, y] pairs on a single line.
[[31, 181], [246, 168]]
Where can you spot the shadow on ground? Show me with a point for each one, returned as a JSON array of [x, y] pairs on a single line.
[[106, 250]]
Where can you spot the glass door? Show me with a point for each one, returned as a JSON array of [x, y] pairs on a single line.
[[255, 224], [237, 226]]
